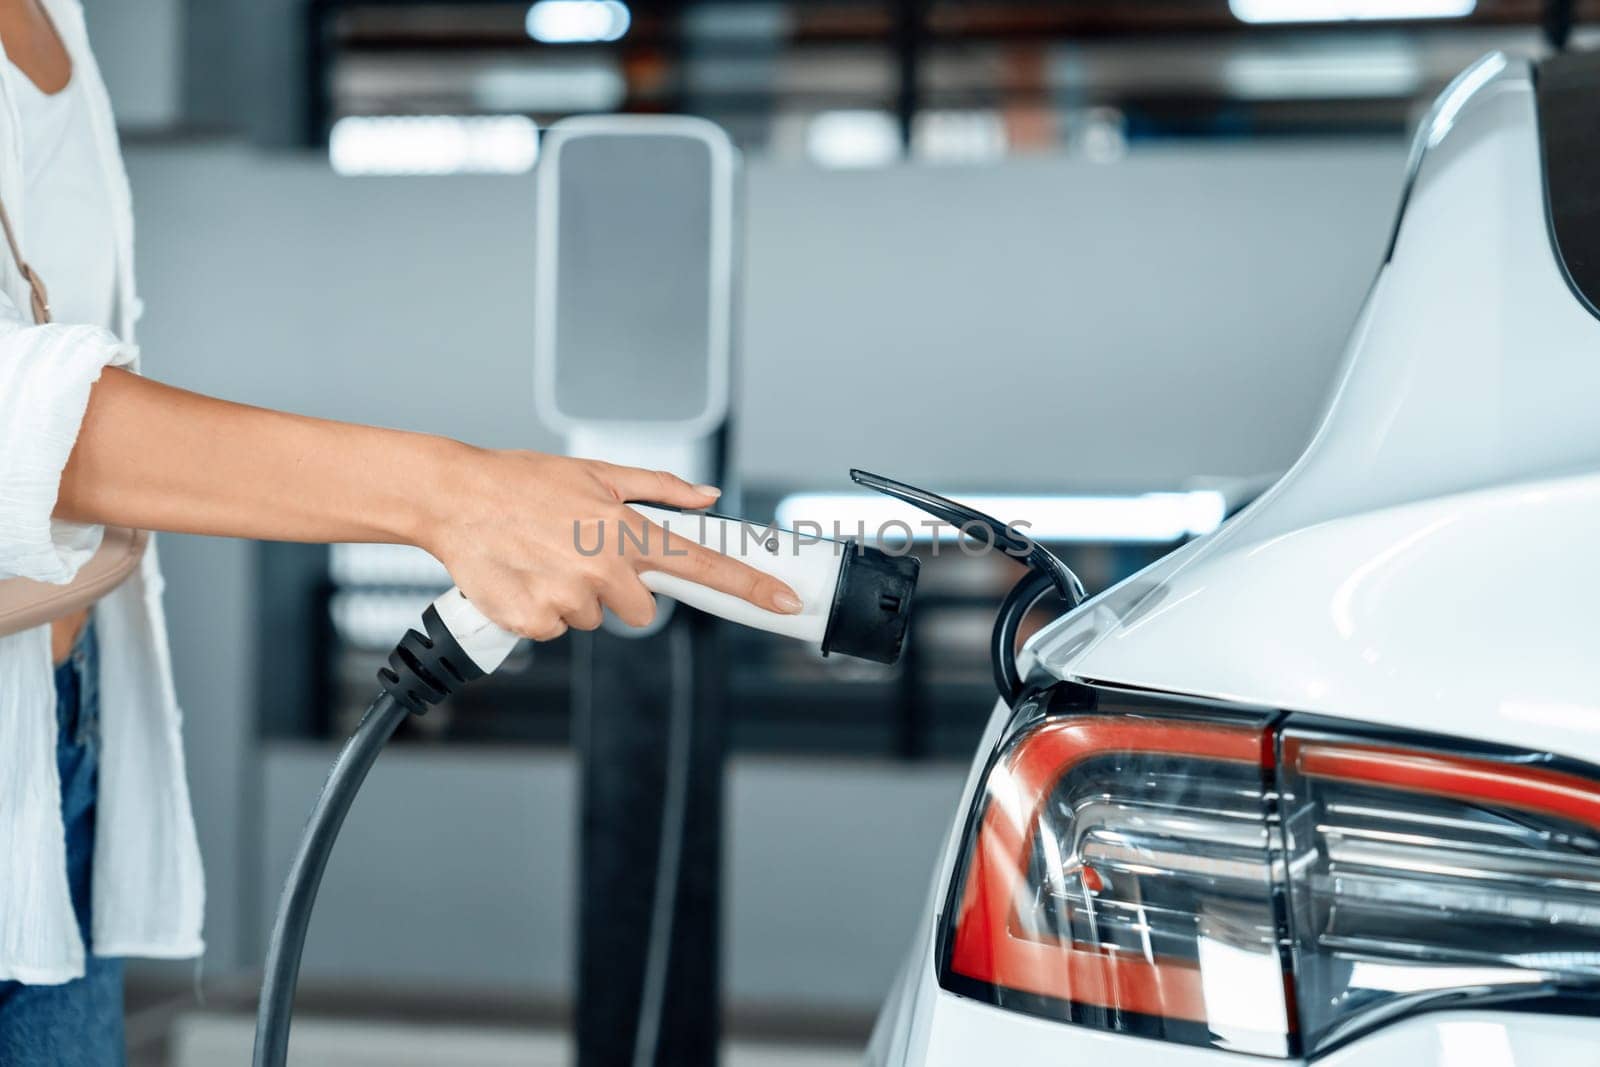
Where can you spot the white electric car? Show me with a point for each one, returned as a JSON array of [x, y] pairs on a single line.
[[1325, 784]]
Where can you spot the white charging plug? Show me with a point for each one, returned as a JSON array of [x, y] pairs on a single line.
[[856, 599]]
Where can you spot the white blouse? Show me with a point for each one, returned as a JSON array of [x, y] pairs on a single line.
[[69, 203], [148, 895]]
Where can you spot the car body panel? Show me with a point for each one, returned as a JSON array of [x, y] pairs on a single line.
[[1429, 562], [961, 1032], [1442, 616], [1401, 571]]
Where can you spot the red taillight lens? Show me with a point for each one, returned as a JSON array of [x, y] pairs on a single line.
[[1145, 869], [1121, 866]]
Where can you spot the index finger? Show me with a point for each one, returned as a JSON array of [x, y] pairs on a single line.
[[686, 559]]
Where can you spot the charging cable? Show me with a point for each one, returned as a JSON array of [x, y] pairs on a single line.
[[423, 669], [669, 856]]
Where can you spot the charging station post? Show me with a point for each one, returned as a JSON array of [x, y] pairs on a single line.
[[649, 899], [632, 357]]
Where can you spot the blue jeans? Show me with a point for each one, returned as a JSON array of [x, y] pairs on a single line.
[[78, 1023]]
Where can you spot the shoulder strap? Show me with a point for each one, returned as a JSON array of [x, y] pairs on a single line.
[[37, 296]]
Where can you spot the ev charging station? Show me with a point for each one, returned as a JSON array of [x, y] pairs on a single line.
[[633, 302], [652, 197], [634, 297]]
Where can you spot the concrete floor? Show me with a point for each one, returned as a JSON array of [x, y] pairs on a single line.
[[172, 1023], [205, 1039]]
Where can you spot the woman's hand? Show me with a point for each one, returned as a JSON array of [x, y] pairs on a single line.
[[512, 541], [507, 525]]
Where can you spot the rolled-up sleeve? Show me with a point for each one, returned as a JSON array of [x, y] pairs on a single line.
[[46, 373]]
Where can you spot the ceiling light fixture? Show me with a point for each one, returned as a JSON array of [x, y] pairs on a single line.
[[578, 21], [1259, 11]]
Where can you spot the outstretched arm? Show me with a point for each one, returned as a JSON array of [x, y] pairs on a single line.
[[506, 524]]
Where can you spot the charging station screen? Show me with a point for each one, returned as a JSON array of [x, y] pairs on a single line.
[[633, 279]]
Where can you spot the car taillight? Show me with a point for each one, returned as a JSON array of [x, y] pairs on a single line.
[[1419, 876], [1239, 880]]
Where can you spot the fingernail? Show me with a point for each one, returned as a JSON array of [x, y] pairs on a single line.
[[788, 603], [708, 490]]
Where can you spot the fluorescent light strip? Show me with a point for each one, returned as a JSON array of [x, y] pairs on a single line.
[[433, 144], [1149, 518], [590, 84], [577, 21], [392, 565], [1261, 11], [958, 136], [1368, 73], [370, 619], [847, 139]]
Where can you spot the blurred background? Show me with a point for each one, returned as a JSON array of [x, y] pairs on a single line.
[[1094, 249]]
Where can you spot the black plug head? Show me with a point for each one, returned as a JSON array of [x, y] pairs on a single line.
[[871, 604]]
